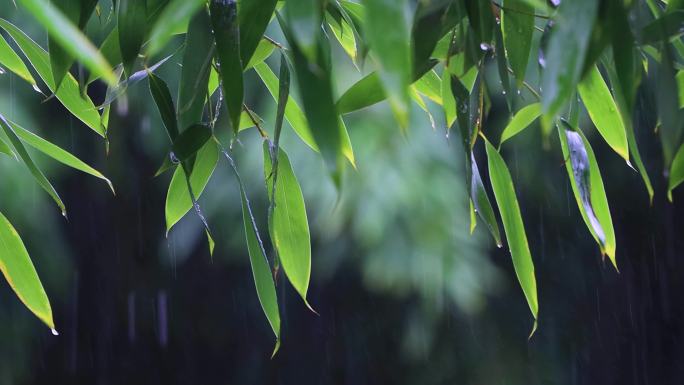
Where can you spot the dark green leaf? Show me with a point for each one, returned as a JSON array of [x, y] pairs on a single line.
[[432, 20], [523, 118], [19, 272], [304, 20], [517, 25], [190, 141], [60, 59], [175, 14], [480, 200], [502, 184], [663, 28], [132, 26], [162, 98], [254, 17]]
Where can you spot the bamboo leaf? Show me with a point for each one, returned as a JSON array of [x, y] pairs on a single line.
[[60, 59], [69, 37], [5, 149], [517, 26], [174, 15], [57, 153], [253, 17], [587, 186], [521, 120], [162, 98], [388, 37], [19, 272], [304, 21], [603, 111], [68, 93], [132, 25], [502, 184], [676, 172], [430, 85], [290, 232], [227, 36], [178, 200], [480, 200], [665, 26], [10, 60], [190, 141]]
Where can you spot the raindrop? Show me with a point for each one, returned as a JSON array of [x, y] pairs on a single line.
[[503, 92], [542, 61], [2, 71], [518, 92], [485, 47], [37, 89], [499, 245], [54, 332]]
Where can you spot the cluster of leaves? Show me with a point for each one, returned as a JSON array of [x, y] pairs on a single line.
[[439, 53]]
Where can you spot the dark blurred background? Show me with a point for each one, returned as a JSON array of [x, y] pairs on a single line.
[[405, 294]]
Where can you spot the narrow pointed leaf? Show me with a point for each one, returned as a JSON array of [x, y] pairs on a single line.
[[517, 26], [68, 93], [6, 149], [304, 20], [19, 272], [344, 35], [176, 13], [521, 120], [587, 186], [254, 17], [480, 200], [57, 153], [290, 226], [10, 60], [227, 36], [132, 25], [502, 184], [162, 98], [263, 50], [676, 172], [69, 37], [430, 85], [60, 59], [190, 141], [604, 112], [178, 200], [388, 37]]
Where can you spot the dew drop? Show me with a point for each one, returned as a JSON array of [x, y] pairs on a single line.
[[35, 88], [54, 332], [518, 92], [2, 71], [502, 92], [499, 245], [485, 47]]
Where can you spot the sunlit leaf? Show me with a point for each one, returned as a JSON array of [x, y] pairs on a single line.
[[19, 272], [263, 50], [430, 85], [227, 37], [344, 34], [57, 153], [521, 120], [290, 232], [175, 14], [676, 172], [178, 200], [587, 186], [603, 111], [10, 60], [506, 199], [132, 26], [6, 149], [388, 37], [69, 37]]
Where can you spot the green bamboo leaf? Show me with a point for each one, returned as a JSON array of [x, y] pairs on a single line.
[[502, 184], [448, 101], [676, 172], [10, 60], [388, 37], [162, 98], [344, 34], [33, 168], [261, 270], [5, 149], [263, 51], [60, 59], [565, 53], [290, 233], [480, 200], [502, 67], [227, 36], [57, 153], [431, 21], [178, 200], [604, 112], [190, 141], [304, 20], [175, 14], [132, 26], [69, 37], [199, 48], [679, 78], [430, 85], [110, 49], [253, 17], [587, 186], [523, 118], [517, 26], [19, 272], [664, 27], [68, 93]]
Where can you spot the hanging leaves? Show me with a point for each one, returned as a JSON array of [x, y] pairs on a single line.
[[132, 25], [517, 26]]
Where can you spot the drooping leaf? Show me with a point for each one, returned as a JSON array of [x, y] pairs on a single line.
[[430, 85], [178, 200], [10, 60], [304, 20], [261, 269], [196, 68], [162, 98], [290, 232], [70, 37], [6, 149], [344, 34], [254, 17], [480, 200], [190, 141], [502, 184], [448, 101], [603, 111], [625, 58], [517, 26], [665, 26], [388, 37], [33, 168], [60, 59], [263, 50], [175, 14], [565, 53], [671, 117], [132, 26], [57, 153], [431, 21], [110, 49], [19, 272], [115, 92], [676, 172], [587, 186], [227, 36], [68, 94], [680, 86], [523, 118]]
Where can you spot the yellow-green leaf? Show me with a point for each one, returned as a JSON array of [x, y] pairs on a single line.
[[523, 118], [12, 61], [676, 172]]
